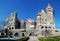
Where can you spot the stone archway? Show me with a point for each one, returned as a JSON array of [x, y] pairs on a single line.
[[16, 34], [30, 34], [23, 34]]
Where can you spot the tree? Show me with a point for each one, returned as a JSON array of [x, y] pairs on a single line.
[[2, 24], [2, 33], [8, 32]]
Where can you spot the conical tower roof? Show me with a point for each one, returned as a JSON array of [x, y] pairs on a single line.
[[49, 6], [39, 14], [42, 11]]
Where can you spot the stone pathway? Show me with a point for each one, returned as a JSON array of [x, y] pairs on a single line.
[[33, 38]]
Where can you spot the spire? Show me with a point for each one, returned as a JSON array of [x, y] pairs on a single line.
[[42, 11], [15, 14], [49, 6]]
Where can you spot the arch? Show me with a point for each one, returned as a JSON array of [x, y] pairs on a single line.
[[23, 34], [46, 27], [42, 27], [49, 26], [10, 33], [12, 27], [9, 28], [16, 34], [30, 34]]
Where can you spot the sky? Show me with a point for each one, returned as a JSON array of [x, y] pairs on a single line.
[[28, 9]]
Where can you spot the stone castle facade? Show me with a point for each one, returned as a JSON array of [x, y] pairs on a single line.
[[44, 24]]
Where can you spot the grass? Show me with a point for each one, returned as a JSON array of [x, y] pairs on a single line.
[[49, 39]]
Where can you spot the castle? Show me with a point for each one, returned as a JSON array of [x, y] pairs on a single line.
[[44, 24]]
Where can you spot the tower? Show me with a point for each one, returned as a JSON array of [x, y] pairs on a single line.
[[50, 16], [38, 19], [15, 14], [38, 23]]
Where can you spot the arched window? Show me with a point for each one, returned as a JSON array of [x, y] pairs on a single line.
[[12, 28], [56, 30], [23, 34], [42, 27], [46, 27], [9, 28], [49, 27], [16, 34], [30, 34]]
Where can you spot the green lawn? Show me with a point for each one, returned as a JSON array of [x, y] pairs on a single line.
[[49, 39]]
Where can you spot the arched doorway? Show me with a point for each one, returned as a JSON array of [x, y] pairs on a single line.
[[30, 34], [23, 34], [16, 34]]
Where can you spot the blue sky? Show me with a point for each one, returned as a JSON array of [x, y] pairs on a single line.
[[28, 9]]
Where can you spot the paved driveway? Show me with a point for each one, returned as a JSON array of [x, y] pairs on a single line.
[[33, 38]]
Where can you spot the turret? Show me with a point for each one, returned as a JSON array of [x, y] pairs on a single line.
[[15, 14], [50, 16], [38, 16], [49, 9]]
